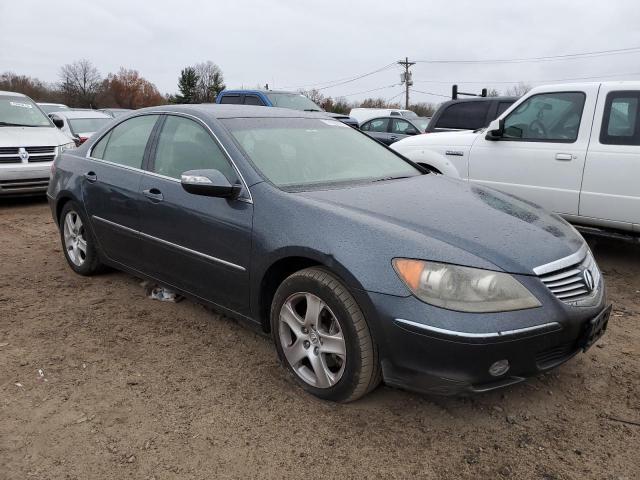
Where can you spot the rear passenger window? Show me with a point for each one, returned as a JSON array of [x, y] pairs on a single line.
[[185, 145], [464, 116], [377, 125], [231, 99], [620, 122], [126, 143], [252, 100]]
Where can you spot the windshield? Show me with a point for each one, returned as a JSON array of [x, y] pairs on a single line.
[[294, 101], [50, 108], [87, 125], [296, 153], [21, 112], [421, 123]]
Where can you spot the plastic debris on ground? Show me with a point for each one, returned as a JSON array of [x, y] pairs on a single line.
[[163, 294]]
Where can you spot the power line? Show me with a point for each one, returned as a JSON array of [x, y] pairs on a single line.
[[431, 93], [368, 91], [340, 81], [509, 82], [540, 59]]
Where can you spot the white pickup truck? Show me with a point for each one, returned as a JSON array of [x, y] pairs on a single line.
[[573, 149]]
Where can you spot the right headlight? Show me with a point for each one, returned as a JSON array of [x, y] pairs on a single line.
[[464, 289]]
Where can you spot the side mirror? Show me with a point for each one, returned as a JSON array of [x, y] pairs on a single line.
[[210, 183], [58, 122], [495, 130], [411, 131]]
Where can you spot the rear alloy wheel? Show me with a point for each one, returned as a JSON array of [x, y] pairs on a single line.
[[322, 337], [77, 241]]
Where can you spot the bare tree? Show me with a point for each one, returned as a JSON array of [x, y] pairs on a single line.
[[314, 95], [80, 83], [518, 90], [493, 92], [210, 82]]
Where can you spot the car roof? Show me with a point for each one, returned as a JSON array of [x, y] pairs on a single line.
[[216, 110], [80, 114], [13, 94], [258, 90]]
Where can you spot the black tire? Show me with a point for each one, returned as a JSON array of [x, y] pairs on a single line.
[[90, 263], [361, 370]]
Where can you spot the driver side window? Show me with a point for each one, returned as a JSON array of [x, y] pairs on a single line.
[[547, 117]]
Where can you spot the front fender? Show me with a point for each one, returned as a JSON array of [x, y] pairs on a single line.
[[431, 158]]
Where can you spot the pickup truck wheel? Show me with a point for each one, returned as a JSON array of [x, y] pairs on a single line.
[[322, 336], [77, 242]]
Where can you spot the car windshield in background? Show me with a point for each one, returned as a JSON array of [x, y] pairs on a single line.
[[21, 112], [294, 101], [421, 123], [52, 108], [81, 125], [296, 153]]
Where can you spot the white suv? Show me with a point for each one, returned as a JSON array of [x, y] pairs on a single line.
[[29, 142]]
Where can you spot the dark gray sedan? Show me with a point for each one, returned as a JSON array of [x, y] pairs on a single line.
[[360, 264]]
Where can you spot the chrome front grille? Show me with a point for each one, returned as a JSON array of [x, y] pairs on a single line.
[[36, 154], [572, 278]]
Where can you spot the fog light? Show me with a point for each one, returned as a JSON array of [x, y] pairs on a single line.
[[499, 368]]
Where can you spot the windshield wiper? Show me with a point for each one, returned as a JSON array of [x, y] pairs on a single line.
[[9, 124], [390, 178], [311, 110]]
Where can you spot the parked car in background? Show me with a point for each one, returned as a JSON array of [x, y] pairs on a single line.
[[79, 125], [360, 264], [274, 98], [116, 112], [468, 113], [572, 148], [52, 107], [29, 142], [364, 114], [391, 129]]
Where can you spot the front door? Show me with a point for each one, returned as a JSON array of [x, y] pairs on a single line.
[[110, 188], [198, 244], [542, 153]]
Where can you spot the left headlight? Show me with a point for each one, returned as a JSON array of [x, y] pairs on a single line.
[[464, 289]]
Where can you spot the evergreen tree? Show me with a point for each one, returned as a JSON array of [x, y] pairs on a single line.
[[188, 85]]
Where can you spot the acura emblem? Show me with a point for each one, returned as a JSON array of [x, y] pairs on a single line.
[[23, 154], [588, 279]]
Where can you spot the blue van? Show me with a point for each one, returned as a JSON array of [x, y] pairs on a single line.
[[273, 98]]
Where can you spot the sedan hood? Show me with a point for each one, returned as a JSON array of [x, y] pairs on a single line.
[[31, 137], [425, 212]]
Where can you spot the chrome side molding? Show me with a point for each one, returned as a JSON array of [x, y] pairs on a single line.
[[170, 244]]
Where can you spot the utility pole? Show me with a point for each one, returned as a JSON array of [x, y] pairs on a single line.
[[406, 79]]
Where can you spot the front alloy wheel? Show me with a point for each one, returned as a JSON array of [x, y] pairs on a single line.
[[312, 340], [322, 337]]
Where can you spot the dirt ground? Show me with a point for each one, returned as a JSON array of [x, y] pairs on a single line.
[[97, 381]]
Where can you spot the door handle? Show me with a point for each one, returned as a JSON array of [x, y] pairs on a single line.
[[91, 177], [564, 156], [153, 194]]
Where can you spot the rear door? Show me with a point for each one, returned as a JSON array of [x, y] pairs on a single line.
[[378, 128], [198, 244], [111, 188], [611, 183], [542, 153]]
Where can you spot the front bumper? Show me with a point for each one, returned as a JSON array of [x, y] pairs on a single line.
[[24, 178], [432, 350]]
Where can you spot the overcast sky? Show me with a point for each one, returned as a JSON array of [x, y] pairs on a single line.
[[289, 43]]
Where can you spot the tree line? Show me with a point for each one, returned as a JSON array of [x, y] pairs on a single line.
[[81, 85]]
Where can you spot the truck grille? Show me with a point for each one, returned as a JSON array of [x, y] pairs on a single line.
[[36, 154], [571, 283]]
